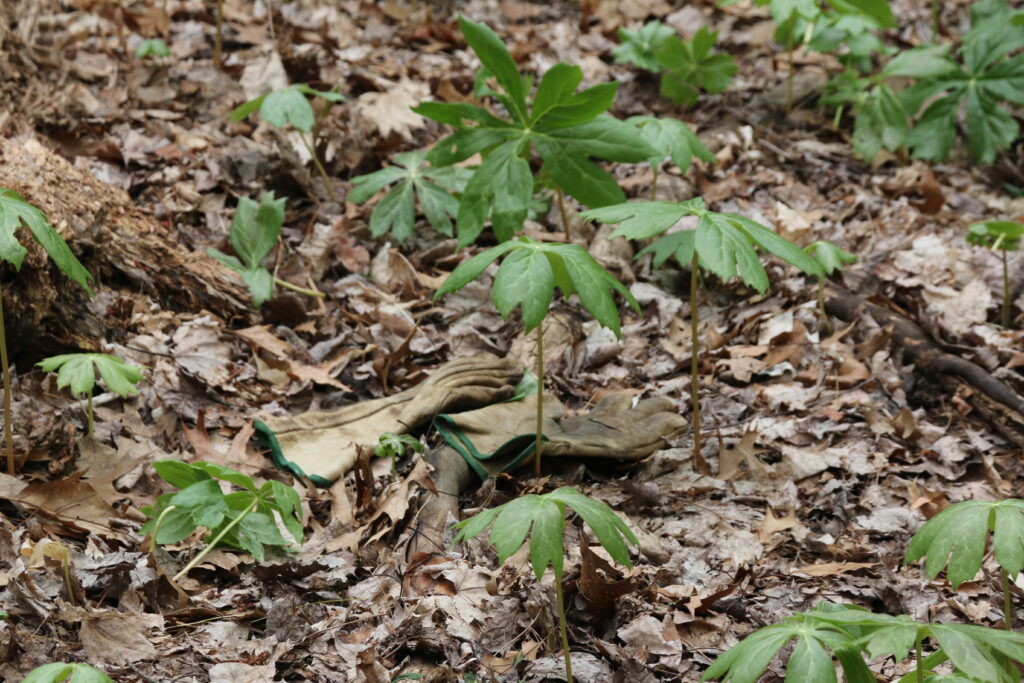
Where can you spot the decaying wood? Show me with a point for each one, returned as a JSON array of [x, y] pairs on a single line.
[[121, 245], [452, 477], [999, 404]]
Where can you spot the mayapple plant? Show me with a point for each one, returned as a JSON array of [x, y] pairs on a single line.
[[15, 212], [1003, 236], [78, 371], [542, 517], [672, 138], [289, 107], [394, 446], [152, 47], [832, 260], [527, 278], [242, 519], [415, 181], [255, 230], [565, 128], [723, 243], [61, 672]]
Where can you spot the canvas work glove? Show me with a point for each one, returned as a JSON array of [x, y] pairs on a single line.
[[323, 444], [499, 438]]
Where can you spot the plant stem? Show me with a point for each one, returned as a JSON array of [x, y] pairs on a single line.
[[216, 539], [156, 527], [540, 399], [12, 467], [565, 216], [698, 456], [88, 404], [1007, 601], [917, 658], [563, 627], [66, 564], [319, 167], [654, 183], [935, 21], [821, 306], [1006, 292], [789, 84], [217, 38], [301, 290]]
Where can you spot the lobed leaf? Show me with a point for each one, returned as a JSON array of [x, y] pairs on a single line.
[[954, 540]]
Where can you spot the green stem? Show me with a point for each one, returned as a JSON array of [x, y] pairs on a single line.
[[560, 196], [66, 563], [217, 38], [935, 21], [537, 446], [698, 457], [301, 290], [1007, 601], [654, 183], [88, 404], [12, 467], [156, 527], [213, 543], [563, 627], [789, 84], [319, 167], [1006, 292], [917, 658]]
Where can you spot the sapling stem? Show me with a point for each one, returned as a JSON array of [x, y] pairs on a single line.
[[319, 167], [216, 539], [8, 432], [540, 399], [1006, 292], [698, 457], [935, 21], [1007, 601], [917, 658], [654, 183], [218, 36], [301, 290], [560, 196], [88, 410], [560, 596], [789, 83], [821, 306]]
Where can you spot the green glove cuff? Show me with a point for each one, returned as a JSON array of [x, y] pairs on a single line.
[[267, 437], [507, 457]]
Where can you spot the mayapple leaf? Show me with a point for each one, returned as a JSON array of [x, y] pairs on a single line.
[[59, 672], [639, 46], [747, 660], [152, 47], [78, 371], [179, 474], [955, 539], [496, 59], [831, 258], [672, 138], [525, 279], [690, 67], [286, 107], [1003, 235], [15, 212], [640, 220], [256, 227], [391, 445]]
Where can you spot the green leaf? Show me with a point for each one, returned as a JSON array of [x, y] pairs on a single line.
[[502, 186], [809, 663], [14, 212], [935, 132], [255, 228], [640, 220], [557, 85], [924, 61], [525, 278], [288, 107], [831, 258], [581, 178], [747, 660], [967, 654], [955, 539], [204, 493], [179, 474], [57, 672], [989, 127], [877, 10], [391, 445], [152, 47], [721, 248], [496, 59], [227, 474], [673, 138], [689, 67], [395, 213], [177, 525], [607, 526], [639, 46], [469, 270], [286, 501], [678, 245], [594, 285], [78, 371], [770, 241], [1004, 235], [579, 108]]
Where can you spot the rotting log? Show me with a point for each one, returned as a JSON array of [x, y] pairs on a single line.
[[122, 246]]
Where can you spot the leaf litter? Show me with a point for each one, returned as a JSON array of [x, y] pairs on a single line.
[[830, 450]]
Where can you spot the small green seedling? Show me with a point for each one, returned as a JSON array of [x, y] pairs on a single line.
[[57, 672], [671, 138], [566, 129], [242, 519], [955, 540], [542, 517], [289, 107], [832, 260], [15, 212], [723, 243], [414, 180], [152, 47], [78, 371], [528, 277], [255, 230], [1003, 236], [690, 66], [395, 446], [640, 47]]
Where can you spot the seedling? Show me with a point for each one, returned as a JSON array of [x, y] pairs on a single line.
[[542, 517], [690, 66], [78, 371], [255, 230], [15, 212], [528, 276], [1003, 236], [671, 138], [152, 47], [72, 673], [723, 243], [414, 181], [242, 519], [395, 446], [640, 47], [832, 260], [566, 128], [289, 107]]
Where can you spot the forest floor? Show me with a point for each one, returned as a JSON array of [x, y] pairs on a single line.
[[828, 449]]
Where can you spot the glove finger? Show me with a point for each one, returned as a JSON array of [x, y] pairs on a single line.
[[613, 404], [652, 406], [479, 364]]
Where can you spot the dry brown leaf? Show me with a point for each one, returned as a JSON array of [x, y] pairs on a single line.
[[390, 111], [773, 524], [833, 568]]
